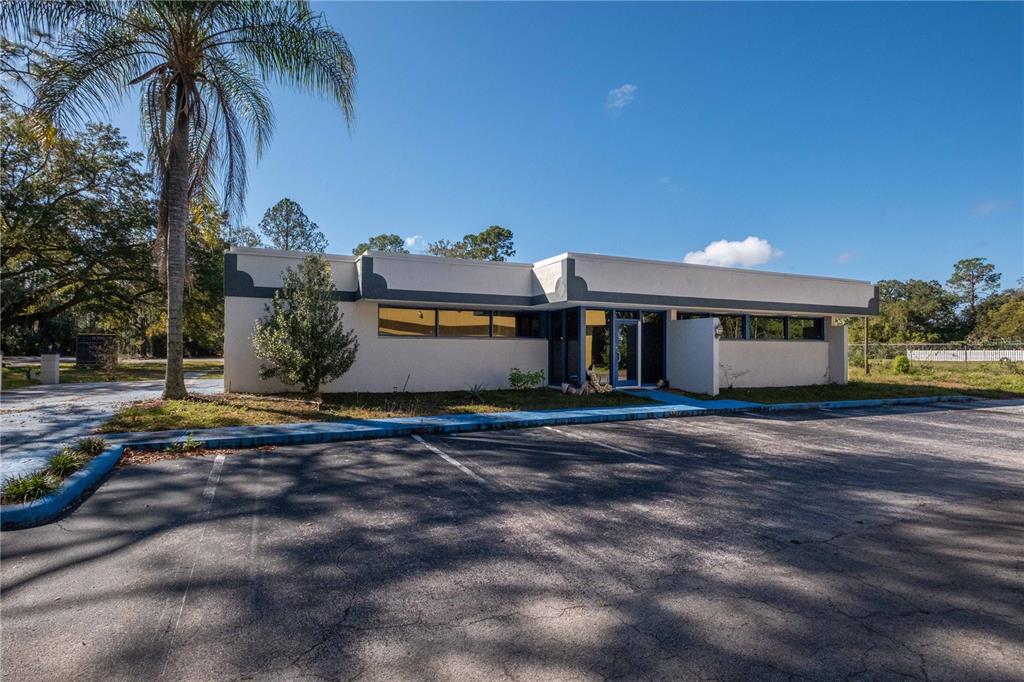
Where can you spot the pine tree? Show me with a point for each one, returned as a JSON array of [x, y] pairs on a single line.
[[302, 340]]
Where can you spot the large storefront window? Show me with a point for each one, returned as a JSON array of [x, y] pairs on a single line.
[[406, 321], [597, 344], [459, 323], [463, 323]]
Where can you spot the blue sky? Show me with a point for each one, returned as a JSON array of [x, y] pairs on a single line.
[[862, 140]]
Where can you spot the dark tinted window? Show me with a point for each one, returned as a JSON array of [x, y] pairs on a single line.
[[767, 327], [807, 328], [732, 326], [510, 324], [652, 347]]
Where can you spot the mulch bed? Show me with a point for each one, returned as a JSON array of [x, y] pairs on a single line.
[[135, 457]]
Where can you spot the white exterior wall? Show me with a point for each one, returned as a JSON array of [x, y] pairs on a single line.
[[383, 363], [430, 273], [838, 355], [753, 364], [692, 362]]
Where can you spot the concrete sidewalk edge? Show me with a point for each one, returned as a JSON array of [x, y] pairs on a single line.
[[71, 489], [47, 508]]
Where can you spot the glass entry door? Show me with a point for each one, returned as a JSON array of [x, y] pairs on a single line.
[[626, 360]]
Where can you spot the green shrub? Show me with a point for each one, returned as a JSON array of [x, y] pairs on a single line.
[[190, 444], [91, 446], [476, 392], [901, 364], [520, 380], [65, 463], [27, 488]]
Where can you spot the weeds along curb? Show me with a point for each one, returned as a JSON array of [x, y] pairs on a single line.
[[74, 486], [70, 490]]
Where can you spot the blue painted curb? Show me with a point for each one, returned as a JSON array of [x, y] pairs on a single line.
[[71, 488], [74, 486]]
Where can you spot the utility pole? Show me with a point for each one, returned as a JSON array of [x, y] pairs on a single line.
[[867, 365]]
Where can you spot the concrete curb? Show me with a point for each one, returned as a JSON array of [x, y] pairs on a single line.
[[45, 509]]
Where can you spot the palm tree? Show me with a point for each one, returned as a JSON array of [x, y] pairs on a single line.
[[200, 70]]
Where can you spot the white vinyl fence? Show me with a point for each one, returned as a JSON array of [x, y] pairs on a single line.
[[964, 355]]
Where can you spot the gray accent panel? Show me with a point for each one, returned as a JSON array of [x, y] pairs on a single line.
[[240, 283], [579, 291]]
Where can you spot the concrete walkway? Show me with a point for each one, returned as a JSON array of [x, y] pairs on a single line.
[[36, 421]]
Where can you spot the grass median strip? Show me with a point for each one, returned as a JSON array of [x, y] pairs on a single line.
[[15, 377], [212, 411], [925, 379], [61, 465]]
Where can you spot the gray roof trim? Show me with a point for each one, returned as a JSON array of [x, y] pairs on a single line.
[[579, 291], [573, 289], [375, 287]]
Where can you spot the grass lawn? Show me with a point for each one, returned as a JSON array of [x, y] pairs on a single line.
[[17, 377], [210, 411], [977, 379]]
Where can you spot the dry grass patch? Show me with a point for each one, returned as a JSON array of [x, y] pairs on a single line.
[[139, 457], [211, 411], [976, 379]]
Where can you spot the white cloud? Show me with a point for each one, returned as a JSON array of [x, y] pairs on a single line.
[[987, 208], [747, 253], [416, 242], [620, 97], [669, 184], [846, 256]]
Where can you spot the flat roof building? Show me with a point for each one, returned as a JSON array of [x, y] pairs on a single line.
[[429, 324]]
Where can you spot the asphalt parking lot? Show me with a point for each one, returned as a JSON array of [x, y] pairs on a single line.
[[874, 543]]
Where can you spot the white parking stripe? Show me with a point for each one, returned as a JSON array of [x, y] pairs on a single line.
[[607, 446], [211, 482], [208, 493], [451, 460]]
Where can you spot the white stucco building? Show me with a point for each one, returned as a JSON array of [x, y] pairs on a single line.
[[429, 324]]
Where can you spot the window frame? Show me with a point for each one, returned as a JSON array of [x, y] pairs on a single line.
[[437, 310]]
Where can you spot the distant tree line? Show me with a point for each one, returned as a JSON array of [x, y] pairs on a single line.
[[496, 243], [970, 307], [78, 229]]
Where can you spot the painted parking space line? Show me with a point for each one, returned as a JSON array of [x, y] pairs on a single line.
[[451, 460], [208, 492], [606, 446]]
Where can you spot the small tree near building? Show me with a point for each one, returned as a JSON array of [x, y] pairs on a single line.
[[302, 340]]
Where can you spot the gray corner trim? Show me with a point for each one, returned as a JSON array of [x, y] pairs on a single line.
[[411, 296], [371, 285], [576, 288], [239, 283], [873, 304]]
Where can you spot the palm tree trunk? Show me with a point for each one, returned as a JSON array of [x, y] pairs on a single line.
[[177, 191]]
